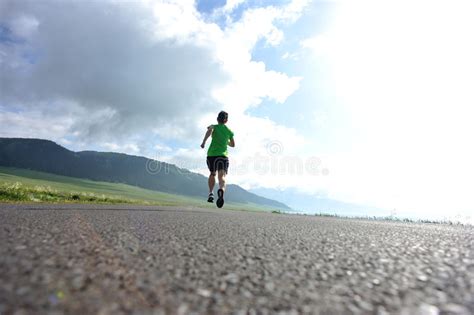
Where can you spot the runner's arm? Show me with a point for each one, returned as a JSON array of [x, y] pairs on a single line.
[[207, 135], [231, 143]]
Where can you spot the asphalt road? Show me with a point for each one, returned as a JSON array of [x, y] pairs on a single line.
[[84, 259]]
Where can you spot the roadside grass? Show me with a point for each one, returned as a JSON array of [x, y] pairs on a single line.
[[22, 185], [390, 218], [19, 192]]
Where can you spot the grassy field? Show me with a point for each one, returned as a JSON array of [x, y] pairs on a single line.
[[21, 185]]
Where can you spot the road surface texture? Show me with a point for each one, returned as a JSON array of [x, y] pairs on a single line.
[[86, 259]]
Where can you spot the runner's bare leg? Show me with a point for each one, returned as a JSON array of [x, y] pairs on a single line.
[[221, 176], [211, 182]]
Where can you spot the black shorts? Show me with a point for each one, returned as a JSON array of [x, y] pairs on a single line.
[[217, 163]]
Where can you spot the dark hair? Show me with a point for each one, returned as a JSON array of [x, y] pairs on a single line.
[[222, 117]]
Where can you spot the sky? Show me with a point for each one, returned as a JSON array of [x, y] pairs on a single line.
[[368, 102]]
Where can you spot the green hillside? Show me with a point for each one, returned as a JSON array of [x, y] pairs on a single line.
[[49, 157], [21, 185]]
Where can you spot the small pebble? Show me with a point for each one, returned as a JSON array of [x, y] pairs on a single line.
[[427, 309], [204, 293], [455, 309]]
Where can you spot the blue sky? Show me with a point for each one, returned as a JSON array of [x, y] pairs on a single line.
[[377, 92], [315, 20], [207, 7]]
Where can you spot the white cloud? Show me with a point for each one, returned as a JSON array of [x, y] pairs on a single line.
[[250, 81], [320, 45], [141, 65], [113, 67], [293, 56], [403, 77], [24, 26], [127, 148], [231, 5], [53, 123], [294, 10], [162, 148], [152, 68]]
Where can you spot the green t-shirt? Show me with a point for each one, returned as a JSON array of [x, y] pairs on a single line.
[[220, 138]]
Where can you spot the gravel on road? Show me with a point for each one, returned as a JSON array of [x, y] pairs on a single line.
[[86, 259]]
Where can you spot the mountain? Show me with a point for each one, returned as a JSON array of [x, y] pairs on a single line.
[[47, 156], [314, 203]]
